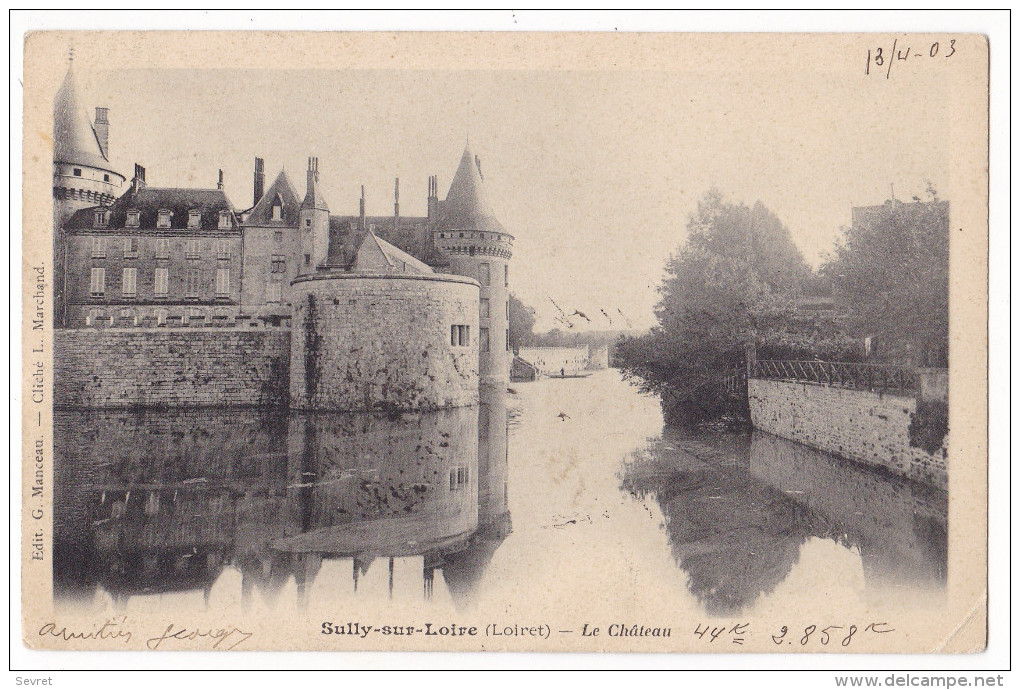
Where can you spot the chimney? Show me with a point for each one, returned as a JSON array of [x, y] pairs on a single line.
[[260, 180], [396, 199], [138, 181], [219, 182], [313, 173], [102, 127], [433, 199], [362, 204]]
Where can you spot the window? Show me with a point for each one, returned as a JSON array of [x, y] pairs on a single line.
[[163, 248], [458, 477], [161, 317], [223, 249], [98, 247], [129, 282], [308, 259], [194, 219], [98, 286], [279, 264], [191, 248], [277, 212], [508, 310], [460, 336], [77, 172], [162, 288], [133, 219], [483, 339], [278, 236], [224, 219], [483, 305], [106, 178], [483, 276], [101, 219], [222, 282], [130, 247], [163, 219], [194, 277], [274, 292], [508, 340], [506, 275], [308, 222]]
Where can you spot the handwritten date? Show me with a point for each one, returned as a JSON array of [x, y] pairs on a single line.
[[882, 58]]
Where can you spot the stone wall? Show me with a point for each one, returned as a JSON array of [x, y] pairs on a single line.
[[170, 368], [383, 341], [860, 425]]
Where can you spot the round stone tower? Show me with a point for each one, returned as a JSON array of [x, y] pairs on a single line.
[[82, 173], [477, 246]]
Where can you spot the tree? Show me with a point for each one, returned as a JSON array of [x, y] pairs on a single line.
[[730, 285], [890, 274], [522, 323]]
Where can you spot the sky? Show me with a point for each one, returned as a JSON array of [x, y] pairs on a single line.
[[594, 172]]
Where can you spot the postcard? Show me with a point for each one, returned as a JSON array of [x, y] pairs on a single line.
[[529, 342]]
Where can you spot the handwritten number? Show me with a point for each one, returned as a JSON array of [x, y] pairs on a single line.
[[807, 634], [782, 633], [879, 60], [825, 632], [699, 632], [952, 47], [934, 49], [846, 640]]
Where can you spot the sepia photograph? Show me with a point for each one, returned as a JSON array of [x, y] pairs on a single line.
[[505, 342]]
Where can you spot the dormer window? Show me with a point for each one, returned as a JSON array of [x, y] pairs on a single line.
[[101, 219], [194, 219], [163, 219], [277, 212], [133, 217], [224, 219]]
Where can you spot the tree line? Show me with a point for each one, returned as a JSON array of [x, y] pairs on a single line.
[[739, 281]]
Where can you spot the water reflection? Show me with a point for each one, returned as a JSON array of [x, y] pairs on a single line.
[[155, 503], [272, 511], [738, 508]]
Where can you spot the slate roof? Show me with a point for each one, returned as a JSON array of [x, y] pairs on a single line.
[[413, 236], [74, 138], [150, 200], [262, 213], [396, 258], [466, 207]]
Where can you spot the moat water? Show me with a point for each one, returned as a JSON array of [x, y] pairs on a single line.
[[557, 490]]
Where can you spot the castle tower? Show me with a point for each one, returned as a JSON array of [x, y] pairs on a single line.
[[82, 174], [478, 246], [314, 224]]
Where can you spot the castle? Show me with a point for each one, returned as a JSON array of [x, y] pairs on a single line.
[[394, 311]]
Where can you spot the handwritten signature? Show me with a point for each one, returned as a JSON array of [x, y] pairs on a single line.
[[228, 637]]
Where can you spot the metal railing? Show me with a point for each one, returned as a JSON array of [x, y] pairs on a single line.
[[873, 377]]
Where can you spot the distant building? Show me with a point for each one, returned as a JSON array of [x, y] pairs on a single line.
[[556, 360]]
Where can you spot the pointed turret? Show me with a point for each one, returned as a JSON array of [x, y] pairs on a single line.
[[476, 245], [466, 207], [313, 195], [314, 222], [82, 174], [75, 140]]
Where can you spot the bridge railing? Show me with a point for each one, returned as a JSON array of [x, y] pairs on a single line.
[[873, 377]]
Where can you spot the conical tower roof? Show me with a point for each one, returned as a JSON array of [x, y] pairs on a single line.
[[74, 139], [466, 207], [313, 195]]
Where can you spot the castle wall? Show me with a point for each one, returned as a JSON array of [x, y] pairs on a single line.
[[170, 368], [485, 256], [383, 341], [860, 425]]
